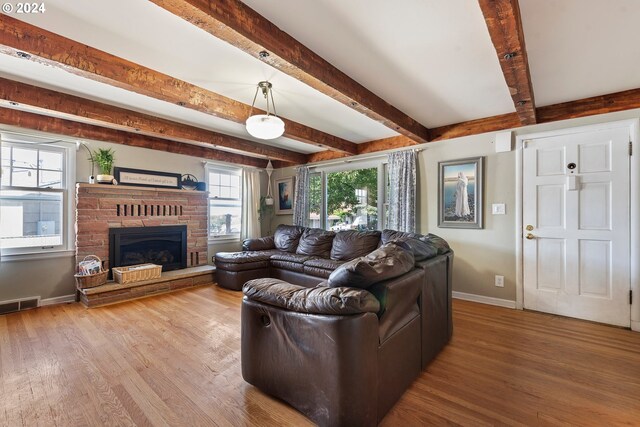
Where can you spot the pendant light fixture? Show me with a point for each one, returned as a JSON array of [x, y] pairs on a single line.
[[265, 126]]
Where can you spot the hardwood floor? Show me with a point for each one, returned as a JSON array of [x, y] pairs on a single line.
[[175, 360]]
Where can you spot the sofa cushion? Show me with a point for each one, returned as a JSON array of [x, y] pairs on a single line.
[[245, 257], [326, 264], [227, 266], [386, 262], [422, 247], [286, 237], [351, 244], [318, 300], [297, 258], [259, 244], [321, 267], [316, 242], [288, 261]]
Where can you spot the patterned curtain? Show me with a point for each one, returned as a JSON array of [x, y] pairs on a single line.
[[402, 191], [301, 196]]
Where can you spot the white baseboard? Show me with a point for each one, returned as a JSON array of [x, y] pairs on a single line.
[[485, 300], [58, 300], [635, 325]]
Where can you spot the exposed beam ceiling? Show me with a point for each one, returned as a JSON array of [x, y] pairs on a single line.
[[73, 129], [505, 28], [18, 37], [610, 103], [242, 27], [52, 102]]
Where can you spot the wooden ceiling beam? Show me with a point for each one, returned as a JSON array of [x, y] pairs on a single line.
[[610, 103], [18, 38], [603, 104], [505, 28], [52, 102], [475, 127], [73, 129], [239, 25]]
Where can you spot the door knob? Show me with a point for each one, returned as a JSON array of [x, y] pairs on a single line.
[[530, 236], [529, 227]]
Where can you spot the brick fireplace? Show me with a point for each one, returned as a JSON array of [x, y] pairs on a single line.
[[101, 207]]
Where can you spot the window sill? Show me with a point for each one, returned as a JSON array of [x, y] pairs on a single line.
[[37, 255], [224, 240]]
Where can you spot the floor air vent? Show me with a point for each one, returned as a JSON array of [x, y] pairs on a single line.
[[19, 305]]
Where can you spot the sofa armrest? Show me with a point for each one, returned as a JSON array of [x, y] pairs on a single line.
[[398, 302], [259, 244], [318, 300]]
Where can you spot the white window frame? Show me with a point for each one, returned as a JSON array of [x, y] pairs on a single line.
[[380, 163], [230, 170], [68, 150]]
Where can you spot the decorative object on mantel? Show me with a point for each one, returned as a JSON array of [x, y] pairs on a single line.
[[268, 199], [92, 177], [104, 158], [147, 178], [460, 190], [136, 273], [284, 204], [265, 126], [189, 182], [90, 273]]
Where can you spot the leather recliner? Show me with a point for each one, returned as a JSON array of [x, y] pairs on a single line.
[[340, 367], [341, 355]]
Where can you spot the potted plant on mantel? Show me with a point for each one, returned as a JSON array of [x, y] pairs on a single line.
[[104, 158]]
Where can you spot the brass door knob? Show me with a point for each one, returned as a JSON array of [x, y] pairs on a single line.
[[529, 227], [530, 236]]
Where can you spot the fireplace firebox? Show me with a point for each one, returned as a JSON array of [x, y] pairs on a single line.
[[162, 245]]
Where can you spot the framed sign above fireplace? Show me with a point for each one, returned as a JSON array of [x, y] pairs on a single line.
[[147, 178]]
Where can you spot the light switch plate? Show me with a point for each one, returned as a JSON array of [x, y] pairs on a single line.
[[498, 209]]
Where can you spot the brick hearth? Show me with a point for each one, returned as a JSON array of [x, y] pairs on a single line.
[[100, 207]]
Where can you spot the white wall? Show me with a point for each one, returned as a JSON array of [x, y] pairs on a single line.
[[49, 278]]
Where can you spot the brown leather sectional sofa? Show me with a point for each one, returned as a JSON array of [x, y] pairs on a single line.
[[339, 324]]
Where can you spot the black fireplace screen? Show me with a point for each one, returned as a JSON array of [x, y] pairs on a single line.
[[163, 245]]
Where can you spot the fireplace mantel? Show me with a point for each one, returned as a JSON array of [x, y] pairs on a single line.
[[100, 207]]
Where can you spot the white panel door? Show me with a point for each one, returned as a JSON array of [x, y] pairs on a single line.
[[576, 225]]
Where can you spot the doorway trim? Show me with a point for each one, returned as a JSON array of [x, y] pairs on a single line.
[[634, 215]]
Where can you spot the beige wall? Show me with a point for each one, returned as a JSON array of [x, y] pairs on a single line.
[[480, 254], [49, 278]]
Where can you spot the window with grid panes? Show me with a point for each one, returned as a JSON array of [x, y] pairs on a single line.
[[225, 202]]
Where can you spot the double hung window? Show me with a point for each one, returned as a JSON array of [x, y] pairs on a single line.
[[35, 204], [225, 202]]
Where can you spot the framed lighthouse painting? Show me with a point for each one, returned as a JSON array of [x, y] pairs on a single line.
[[460, 188]]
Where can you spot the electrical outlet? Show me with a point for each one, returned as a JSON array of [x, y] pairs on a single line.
[[499, 281]]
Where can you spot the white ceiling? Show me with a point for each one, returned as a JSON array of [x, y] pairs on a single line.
[[432, 59], [581, 48]]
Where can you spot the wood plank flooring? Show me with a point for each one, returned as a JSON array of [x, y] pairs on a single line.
[[174, 360]]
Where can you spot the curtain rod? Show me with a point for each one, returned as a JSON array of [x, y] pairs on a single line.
[[359, 158], [30, 135], [231, 165]]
